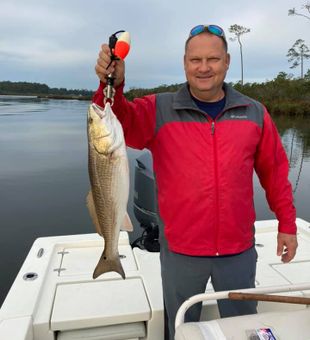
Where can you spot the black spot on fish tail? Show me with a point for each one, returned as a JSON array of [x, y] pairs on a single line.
[[106, 265]]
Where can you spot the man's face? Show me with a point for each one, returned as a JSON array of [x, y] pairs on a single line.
[[206, 63]]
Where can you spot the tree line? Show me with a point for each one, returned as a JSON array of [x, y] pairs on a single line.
[[37, 89], [282, 95]]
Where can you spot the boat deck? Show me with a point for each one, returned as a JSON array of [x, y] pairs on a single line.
[[55, 297]]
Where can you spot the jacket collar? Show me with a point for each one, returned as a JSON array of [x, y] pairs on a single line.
[[183, 99]]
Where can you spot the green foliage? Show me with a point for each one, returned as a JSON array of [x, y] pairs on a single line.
[[22, 88], [138, 92], [307, 75], [283, 95], [238, 30], [25, 88]]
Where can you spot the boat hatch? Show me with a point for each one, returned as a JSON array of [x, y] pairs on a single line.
[[272, 272], [295, 272], [97, 304], [83, 260]]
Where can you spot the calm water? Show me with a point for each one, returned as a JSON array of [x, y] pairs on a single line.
[[44, 179]]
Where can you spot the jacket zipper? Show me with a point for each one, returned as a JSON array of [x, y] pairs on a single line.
[[216, 170], [212, 128], [216, 184]]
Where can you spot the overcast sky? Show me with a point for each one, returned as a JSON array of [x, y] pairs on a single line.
[[56, 42]]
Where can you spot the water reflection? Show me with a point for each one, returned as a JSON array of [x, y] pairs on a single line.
[[295, 134]]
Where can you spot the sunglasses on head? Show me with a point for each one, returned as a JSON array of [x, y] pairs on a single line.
[[214, 29]]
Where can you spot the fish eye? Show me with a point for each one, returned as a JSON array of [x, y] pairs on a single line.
[[90, 120]]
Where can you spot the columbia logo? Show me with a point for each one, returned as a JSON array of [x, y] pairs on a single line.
[[238, 117]]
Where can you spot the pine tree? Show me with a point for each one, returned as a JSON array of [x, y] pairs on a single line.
[[238, 30]]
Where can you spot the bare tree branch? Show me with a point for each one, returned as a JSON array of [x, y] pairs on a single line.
[[305, 6]]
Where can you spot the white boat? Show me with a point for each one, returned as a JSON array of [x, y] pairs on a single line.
[[54, 295]]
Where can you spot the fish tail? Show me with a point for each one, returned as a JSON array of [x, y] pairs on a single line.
[[108, 265]]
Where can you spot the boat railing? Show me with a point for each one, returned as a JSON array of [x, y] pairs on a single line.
[[231, 294]]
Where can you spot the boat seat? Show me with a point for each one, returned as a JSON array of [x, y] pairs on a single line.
[[134, 330], [284, 325]]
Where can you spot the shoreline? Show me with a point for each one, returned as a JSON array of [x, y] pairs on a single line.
[[47, 96], [67, 97]]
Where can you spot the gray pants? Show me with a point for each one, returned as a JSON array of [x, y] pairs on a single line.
[[184, 276]]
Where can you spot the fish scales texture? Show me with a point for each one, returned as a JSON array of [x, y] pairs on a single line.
[[109, 177], [105, 193]]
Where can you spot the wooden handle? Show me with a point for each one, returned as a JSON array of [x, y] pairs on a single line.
[[271, 298]]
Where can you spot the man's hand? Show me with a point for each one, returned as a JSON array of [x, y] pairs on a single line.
[[117, 67], [287, 245]]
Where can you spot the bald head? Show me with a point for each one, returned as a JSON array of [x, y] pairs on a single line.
[[210, 34]]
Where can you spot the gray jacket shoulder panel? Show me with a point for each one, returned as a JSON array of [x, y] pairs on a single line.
[[174, 107], [163, 114], [241, 107]]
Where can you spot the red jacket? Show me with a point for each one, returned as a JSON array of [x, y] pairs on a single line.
[[204, 167]]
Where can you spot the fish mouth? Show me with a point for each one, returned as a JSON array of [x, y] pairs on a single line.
[[100, 114], [99, 110]]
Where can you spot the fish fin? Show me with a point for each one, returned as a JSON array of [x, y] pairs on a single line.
[[127, 224], [92, 212], [108, 265]]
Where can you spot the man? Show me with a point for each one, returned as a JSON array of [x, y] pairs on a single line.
[[206, 141]]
